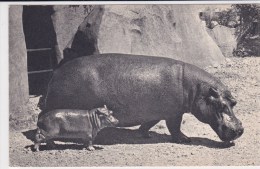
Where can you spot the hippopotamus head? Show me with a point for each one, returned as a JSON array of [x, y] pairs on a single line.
[[215, 107], [106, 117]]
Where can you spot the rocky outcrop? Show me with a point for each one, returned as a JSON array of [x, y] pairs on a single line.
[[18, 78], [225, 38], [66, 19], [174, 31]]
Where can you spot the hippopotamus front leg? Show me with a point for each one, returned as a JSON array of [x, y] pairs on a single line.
[[145, 127], [174, 125], [89, 145]]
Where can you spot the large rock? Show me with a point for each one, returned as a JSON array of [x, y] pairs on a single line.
[[18, 77], [225, 38], [174, 31], [66, 20]]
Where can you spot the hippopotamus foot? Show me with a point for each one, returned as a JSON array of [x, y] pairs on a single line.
[[180, 138], [174, 125], [97, 147], [90, 148], [145, 127], [37, 146]]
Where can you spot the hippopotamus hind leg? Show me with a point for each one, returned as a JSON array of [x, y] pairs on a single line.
[[174, 125], [39, 138], [145, 127]]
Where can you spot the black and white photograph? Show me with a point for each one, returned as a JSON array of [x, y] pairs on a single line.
[[132, 85]]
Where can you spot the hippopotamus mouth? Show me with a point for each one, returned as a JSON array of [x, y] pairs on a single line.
[[228, 134], [229, 129]]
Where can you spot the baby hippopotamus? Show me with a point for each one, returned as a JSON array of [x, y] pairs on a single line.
[[73, 124]]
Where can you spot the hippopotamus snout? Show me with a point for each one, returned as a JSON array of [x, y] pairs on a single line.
[[231, 129], [230, 134]]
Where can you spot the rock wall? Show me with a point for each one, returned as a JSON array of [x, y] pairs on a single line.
[[173, 31], [18, 78], [225, 38], [66, 20]]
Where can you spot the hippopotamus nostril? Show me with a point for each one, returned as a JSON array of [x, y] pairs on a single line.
[[240, 131], [240, 123]]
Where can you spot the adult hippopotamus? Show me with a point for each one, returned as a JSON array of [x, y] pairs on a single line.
[[144, 90]]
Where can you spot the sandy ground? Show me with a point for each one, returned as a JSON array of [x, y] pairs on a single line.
[[125, 147]]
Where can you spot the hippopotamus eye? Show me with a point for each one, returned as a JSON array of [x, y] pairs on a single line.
[[212, 101], [213, 92], [225, 109], [230, 98]]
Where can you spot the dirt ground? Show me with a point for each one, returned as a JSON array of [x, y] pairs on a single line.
[[125, 147]]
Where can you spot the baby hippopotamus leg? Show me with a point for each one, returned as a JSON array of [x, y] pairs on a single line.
[[42, 137], [88, 145]]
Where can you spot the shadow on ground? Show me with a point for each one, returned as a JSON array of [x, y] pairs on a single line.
[[111, 136]]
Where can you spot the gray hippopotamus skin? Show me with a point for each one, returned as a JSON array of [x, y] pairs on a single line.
[[144, 90], [72, 124]]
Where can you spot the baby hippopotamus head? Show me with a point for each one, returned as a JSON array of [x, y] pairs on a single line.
[[106, 117]]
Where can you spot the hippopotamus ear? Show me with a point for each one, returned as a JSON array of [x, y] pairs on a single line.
[[103, 111], [233, 102], [213, 92]]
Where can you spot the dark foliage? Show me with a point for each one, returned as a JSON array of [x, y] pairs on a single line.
[[248, 30]]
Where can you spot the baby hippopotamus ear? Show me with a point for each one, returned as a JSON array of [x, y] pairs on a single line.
[[103, 111], [110, 112]]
